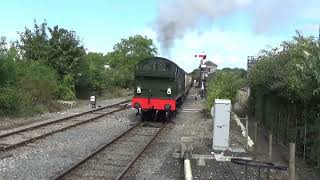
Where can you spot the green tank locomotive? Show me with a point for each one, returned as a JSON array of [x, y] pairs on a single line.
[[160, 86]]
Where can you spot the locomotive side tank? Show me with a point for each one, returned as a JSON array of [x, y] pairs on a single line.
[[160, 85]]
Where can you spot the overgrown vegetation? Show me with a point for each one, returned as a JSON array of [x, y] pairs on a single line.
[[285, 89], [224, 84], [50, 63]]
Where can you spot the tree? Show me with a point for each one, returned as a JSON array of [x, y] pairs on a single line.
[[130, 51], [39, 81], [55, 47], [126, 55], [34, 43], [224, 85], [285, 87], [97, 72], [8, 66], [66, 53], [3, 46]]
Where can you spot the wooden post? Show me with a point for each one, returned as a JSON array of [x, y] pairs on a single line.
[[270, 153], [255, 139], [304, 142], [279, 127], [270, 147], [292, 152]]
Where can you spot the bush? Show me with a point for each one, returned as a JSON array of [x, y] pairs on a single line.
[[223, 85], [39, 81], [66, 88], [14, 102], [285, 87]]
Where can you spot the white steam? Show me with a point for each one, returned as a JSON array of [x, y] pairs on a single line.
[[176, 18]]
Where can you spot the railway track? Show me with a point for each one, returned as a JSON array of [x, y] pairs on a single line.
[[226, 171], [113, 159], [24, 136]]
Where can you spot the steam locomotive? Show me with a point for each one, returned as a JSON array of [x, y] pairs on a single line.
[[160, 86]]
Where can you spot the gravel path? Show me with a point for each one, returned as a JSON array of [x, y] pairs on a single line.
[[49, 156]]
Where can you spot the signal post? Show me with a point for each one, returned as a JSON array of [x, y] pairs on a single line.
[[203, 73]]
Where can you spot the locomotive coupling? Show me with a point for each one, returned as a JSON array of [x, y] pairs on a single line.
[[167, 107], [137, 105]]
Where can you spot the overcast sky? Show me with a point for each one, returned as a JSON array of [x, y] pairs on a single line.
[[227, 31]]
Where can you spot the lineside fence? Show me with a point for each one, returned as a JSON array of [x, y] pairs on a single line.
[[298, 123]]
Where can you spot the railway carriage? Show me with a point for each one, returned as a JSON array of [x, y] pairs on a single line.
[[160, 86]]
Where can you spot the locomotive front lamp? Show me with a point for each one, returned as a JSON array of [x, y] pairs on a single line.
[[169, 90], [138, 89]]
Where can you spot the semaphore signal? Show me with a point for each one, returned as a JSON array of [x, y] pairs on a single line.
[[201, 56]]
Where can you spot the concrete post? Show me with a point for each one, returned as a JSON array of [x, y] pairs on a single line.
[[292, 152], [255, 139]]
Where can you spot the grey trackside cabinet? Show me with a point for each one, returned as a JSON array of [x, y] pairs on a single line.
[[221, 124]]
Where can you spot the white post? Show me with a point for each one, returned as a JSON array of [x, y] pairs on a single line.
[[247, 133], [187, 166]]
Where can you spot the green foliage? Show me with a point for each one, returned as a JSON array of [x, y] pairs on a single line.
[[14, 101], [97, 71], [55, 47], [3, 46], [66, 88], [8, 71], [224, 85], [94, 77], [49, 63], [34, 43], [25, 86], [66, 53], [126, 54], [129, 52], [102, 72], [196, 74], [285, 88], [39, 81]]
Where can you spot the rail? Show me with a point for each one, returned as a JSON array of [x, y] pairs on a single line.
[[5, 138], [106, 145]]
